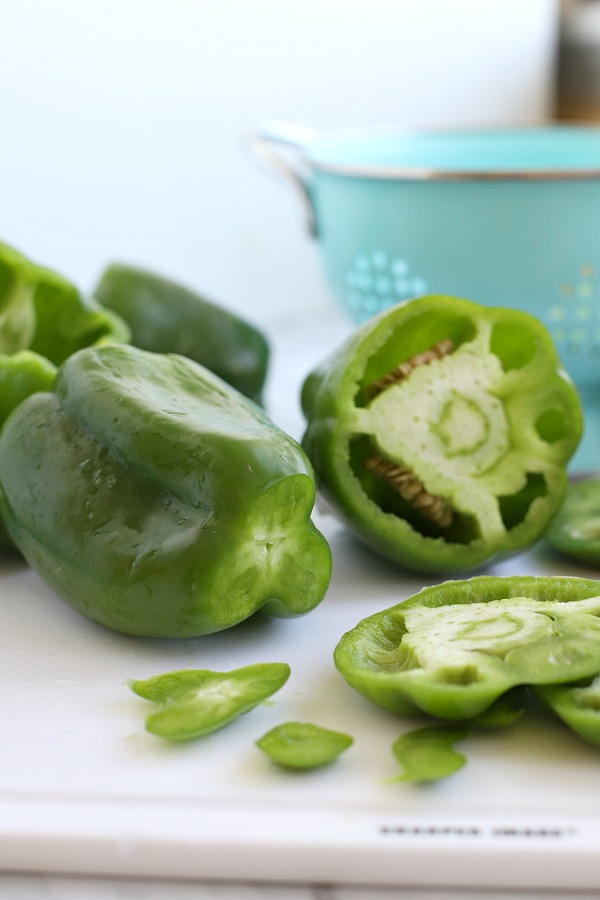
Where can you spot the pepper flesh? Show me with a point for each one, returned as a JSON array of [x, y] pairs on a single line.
[[157, 500], [453, 649], [460, 458], [167, 317]]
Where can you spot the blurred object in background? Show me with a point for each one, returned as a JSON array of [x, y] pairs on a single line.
[[123, 122], [578, 95]]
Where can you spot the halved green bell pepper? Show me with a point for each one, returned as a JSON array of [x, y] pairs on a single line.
[[43, 312], [43, 319], [440, 432], [453, 649], [157, 500], [166, 317]]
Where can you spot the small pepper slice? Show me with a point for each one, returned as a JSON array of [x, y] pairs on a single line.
[[428, 754], [195, 702], [167, 317], [303, 745], [157, 500], [575, 530], [453, 649], [440, 432]]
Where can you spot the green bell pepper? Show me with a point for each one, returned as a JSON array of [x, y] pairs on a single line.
[[43, 312], [453, 649], [166, 317], [21, 374], [157, 500], [440, 431], [43, 319]]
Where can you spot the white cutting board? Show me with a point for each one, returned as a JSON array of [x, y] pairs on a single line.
[[83, 787]]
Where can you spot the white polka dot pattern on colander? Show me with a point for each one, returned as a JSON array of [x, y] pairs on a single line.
[[375, 281]]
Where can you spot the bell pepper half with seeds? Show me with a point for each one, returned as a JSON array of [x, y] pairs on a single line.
[[440, 432], [156, 500], [167, 317], [44, 313]]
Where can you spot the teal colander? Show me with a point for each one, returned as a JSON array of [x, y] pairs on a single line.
[[504, 217]]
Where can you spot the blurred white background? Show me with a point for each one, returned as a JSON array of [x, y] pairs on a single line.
[[123, 121]]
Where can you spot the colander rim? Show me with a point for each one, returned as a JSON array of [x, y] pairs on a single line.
[[410, 172]]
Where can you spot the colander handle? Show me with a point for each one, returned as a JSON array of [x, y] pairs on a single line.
[[282, 146]]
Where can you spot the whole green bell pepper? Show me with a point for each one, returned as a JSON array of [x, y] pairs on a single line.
[[157, 500], [440, 431], [453, 649], [166, 317]]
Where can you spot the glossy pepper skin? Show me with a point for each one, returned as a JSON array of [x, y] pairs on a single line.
[[440, 432], [167, 317], [157, 500], [453, 649]]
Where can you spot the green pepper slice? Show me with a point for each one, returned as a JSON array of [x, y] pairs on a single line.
[[453, 649], [194, 702], [303, 745], [157, 500], [167, 317], [440, 431], [428, 754], [575, 530]]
